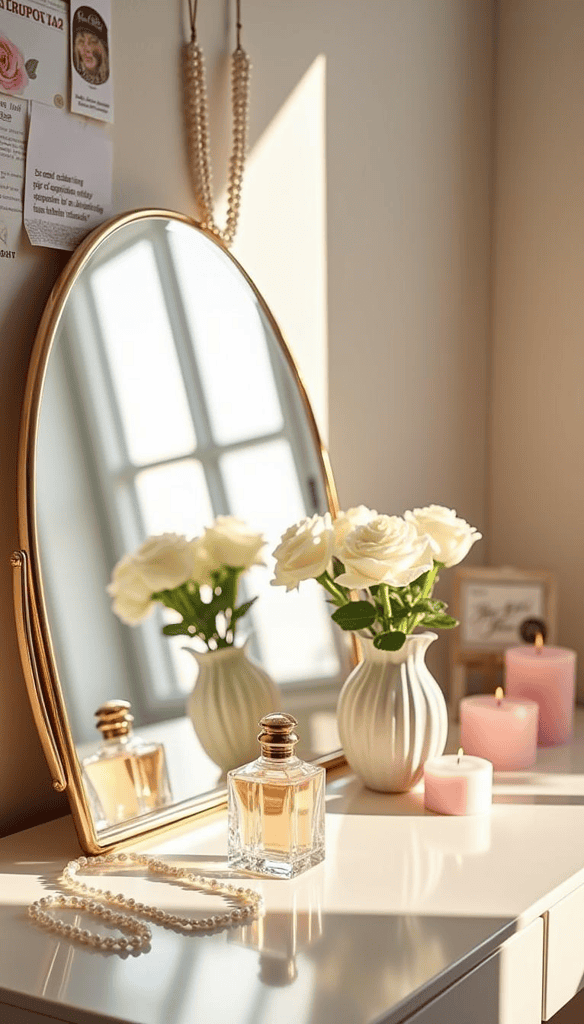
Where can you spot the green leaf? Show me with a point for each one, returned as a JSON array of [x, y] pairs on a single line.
[[397, 610], [440, 622], [243, 608], [176, 629], [422, 608], [338, 567], [31, 67], [355, 615], [391, 641]]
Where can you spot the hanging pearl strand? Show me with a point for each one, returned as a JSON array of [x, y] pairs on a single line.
[[140, 933], [197, 118]]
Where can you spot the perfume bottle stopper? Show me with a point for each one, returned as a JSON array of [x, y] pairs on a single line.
[[277, 737], [114, 719]]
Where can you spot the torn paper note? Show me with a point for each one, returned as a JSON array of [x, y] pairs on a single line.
[[68, 182], [13, 116]]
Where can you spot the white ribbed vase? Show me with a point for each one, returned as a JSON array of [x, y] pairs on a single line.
[[392, 715], [231, 694]]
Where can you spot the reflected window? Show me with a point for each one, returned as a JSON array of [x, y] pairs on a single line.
[[143, 363], [174, 498], [226, 331]]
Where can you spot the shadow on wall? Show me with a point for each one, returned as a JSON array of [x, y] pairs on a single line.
[[19, 789]]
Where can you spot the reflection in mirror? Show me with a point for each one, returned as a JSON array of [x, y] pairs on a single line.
[[168, 399]]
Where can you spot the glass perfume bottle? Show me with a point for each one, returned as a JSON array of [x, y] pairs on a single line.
[[276, 806], [127, 776]]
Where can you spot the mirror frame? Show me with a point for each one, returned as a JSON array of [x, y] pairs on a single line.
[[34, 637]]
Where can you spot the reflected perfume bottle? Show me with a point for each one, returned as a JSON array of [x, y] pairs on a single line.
[[280, 935], [276, 806], [127, 776]]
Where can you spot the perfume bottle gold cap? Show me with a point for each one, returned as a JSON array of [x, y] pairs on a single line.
[[277, 737], [114, 718]]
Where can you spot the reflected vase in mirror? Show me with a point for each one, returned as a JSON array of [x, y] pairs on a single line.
[[197, 581], [230, 697]]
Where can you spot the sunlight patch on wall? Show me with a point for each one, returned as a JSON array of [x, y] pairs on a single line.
[[281, 240]]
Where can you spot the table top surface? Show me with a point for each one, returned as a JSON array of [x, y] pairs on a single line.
[[404, 904]]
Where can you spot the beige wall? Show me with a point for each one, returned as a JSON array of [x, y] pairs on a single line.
[[408, 144], [537, 469]]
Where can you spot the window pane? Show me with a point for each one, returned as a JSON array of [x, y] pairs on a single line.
[[142, 357], [293, 630], [230, 342], [174, 499], [262, 484], [185, 666]]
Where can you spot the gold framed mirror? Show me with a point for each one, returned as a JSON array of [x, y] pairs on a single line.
[[150, 305]]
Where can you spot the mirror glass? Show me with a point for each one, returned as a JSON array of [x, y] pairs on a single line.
[[170, 398]]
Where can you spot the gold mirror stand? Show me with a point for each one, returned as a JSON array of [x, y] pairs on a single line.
[[26, 645]]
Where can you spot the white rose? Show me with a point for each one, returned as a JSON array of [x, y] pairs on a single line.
[[202, 563], [451, 538], [304, 552], [384, 550], [347, 521], [229, 541], [165, 561], [130, 592]]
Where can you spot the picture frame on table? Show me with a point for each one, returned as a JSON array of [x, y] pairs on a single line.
[[497, 608]]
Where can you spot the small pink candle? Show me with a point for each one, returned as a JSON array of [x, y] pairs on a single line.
[[546, 675], [458, 784], [500, 729]]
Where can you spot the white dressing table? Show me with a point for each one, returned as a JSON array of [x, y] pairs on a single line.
[[412, 917]]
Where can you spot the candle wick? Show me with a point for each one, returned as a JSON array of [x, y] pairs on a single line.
[[460, 753]]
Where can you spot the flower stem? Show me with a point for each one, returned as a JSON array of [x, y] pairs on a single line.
[[426, 592], [384, 591], [338, 594]]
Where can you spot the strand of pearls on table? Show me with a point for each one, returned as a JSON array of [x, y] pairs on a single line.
[[94, 901]]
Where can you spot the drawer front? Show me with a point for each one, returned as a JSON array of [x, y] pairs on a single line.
[[564, 960], [505, 989]]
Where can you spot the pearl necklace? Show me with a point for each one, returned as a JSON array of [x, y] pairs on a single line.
[[197, 123], [140, 932]]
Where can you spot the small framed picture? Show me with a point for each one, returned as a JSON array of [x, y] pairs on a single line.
[[497, 608]]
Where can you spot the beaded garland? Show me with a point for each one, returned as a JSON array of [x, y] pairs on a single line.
[[94, 901], [197, 122]]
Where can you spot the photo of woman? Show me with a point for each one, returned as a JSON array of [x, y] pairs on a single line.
[[90, 48]]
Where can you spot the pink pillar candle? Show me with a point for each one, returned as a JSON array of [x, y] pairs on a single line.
[[548, 676], [458, 784], [502, 730]]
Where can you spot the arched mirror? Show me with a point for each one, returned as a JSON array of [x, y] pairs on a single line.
[[160, 394]]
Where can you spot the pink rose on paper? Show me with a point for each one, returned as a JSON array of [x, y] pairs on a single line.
[[13, 76]]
